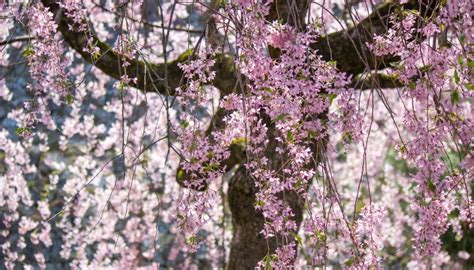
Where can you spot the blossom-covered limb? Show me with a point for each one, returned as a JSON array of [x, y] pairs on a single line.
[[149, 76], [348, 47]]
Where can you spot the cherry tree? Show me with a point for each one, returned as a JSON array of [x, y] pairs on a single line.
[[236, 134]]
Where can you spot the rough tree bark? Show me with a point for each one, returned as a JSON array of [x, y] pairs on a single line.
[[249, 246], [347, 47]]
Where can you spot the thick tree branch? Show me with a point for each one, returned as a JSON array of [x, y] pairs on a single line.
[[348, 47], [149, 76], [292, 12]]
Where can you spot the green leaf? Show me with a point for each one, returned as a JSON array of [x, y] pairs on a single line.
[[221, 3], [210, 155], [300, 76], [211, 167], [456, 76], [191, 240], [469, 86], [259, 203], [290, 136], [360, 204], [69, 98], [395, 64], [44, 194], [267, 260], [411, 85], [28, 51], [65, 83], [184, 124], [298, 239], [280, 117], [349, 262], [122, 86], [180, 174], [470, 63], [21, 130], [321, 236], [331, 97], [317, 25], [453, 116], [425, 68], [185, 55], [90, 190], [96, 56], [347, 137], [431, 186], [268, 89], [239, 141], [407, 12], [454, 97], [454, 214]]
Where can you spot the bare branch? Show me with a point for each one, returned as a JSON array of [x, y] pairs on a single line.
[[17, 39]]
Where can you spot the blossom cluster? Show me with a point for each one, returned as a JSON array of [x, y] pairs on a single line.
[[438, 114]]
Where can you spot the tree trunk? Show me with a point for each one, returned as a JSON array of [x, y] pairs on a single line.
[[249, 246]]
